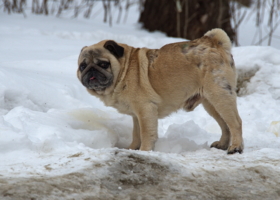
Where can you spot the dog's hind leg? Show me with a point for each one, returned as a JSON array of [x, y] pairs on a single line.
[[224, 102], [225, 138]]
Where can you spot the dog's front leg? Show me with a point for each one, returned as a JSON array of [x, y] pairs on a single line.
[[148, 122], [136, 140]]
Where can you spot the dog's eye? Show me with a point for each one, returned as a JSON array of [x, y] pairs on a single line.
[[83, 66], [104, 64]]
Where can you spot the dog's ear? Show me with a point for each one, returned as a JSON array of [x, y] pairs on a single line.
[[83, 48], [114, 48]]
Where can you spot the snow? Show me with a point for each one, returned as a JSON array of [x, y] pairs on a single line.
[[59, 142], [249, 34]]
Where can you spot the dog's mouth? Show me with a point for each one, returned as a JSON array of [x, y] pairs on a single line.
[[92, 78], [96, 80]]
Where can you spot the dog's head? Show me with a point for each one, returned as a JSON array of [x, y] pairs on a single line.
[[99, 65]]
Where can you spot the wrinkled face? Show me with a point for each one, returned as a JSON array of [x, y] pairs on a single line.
[[95, 71], [95, 68]]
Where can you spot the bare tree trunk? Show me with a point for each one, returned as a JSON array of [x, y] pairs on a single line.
[[60, 8], [186, 18], [105, 7], [15, 6], [270, 22], [21, 5], [119, 5], [44, 7], [89, 9], [7, 6], [35, 7]]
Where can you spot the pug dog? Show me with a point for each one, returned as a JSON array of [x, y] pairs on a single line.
[[149, 84]]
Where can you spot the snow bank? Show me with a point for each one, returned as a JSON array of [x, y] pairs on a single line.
[[57, 141]]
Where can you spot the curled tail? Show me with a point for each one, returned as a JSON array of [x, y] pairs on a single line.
[[221, 36]]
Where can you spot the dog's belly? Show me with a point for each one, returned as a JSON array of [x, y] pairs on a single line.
[[177, 79], [166, 110], [188, 103]]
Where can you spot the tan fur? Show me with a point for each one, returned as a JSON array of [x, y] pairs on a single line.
[[152, 83]]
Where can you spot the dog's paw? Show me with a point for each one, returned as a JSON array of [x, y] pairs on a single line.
[[235, 149], [146, 148], [219, 145], [134, 147]]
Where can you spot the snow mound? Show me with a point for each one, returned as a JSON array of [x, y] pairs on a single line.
[[59, 142], [126, 174], [182, 137], [258, 71]]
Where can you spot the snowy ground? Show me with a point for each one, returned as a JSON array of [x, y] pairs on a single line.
[[58, 142]]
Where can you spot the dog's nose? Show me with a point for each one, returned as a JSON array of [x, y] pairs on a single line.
[[92, 69]]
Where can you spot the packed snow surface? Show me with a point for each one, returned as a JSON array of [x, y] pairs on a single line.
[[59, 142]]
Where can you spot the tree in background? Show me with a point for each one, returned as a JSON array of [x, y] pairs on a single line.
[[191, 19], [185, 18], [188, 19]]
